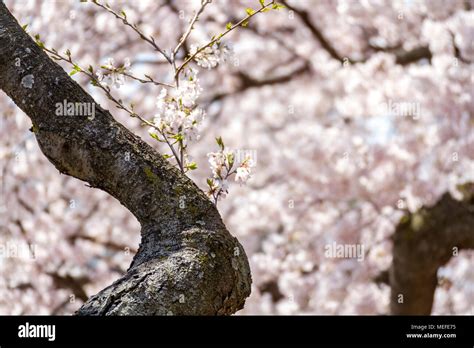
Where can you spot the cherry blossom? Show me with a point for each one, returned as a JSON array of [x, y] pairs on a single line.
[[211, 56], [114, 76], [345, 147]]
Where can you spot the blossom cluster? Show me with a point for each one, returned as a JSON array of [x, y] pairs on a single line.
[[211, 56], [113, 75], [224, 164], [178, 115]]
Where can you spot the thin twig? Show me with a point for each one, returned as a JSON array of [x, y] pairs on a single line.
[[123, 18], [204, 3], [149, 79]]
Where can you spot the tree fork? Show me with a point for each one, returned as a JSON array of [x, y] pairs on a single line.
[[423, 242], [187, 262]]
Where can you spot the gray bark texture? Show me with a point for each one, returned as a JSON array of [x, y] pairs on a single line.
[[423, 242], [187, 262]]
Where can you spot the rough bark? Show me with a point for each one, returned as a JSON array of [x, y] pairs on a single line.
[[423, 242], [187, 262]]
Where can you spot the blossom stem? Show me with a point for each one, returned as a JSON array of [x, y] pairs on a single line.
[[133, 77], [180, 164], [123, 18], [183, 39]]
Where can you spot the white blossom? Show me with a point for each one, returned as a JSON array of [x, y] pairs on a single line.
[[243, 171], [177, 112], [188, 92], [211, 56], [113, 75], [223, 165]]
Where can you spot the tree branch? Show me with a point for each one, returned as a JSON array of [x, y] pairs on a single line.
[[122, 16], [304, 16], [246, 81], [402, 57], [423, 242], [187, 262]]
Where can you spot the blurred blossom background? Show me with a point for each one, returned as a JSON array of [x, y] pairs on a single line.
[[356, 111]]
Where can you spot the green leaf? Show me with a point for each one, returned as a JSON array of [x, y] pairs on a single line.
[[230, 159], [155, 136], [75, 70], [38, 41], [91, 69], [192, 166], [24, 27], [220, 143], [262, 2], [244, 24], [228, 26], [178, 137], [210, 182], [278, 6], [250, 11], [123, 14]]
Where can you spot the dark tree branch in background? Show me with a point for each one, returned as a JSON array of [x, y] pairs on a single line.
[[305, 18], [457, 52], [187, 262], [106, 243], [403, 57], [75, 284], [246, 82], [249, 82], [423, 242], [468, 4], [407, 57]]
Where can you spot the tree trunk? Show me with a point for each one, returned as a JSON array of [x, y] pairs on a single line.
[[187, 263], [423, 242]]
